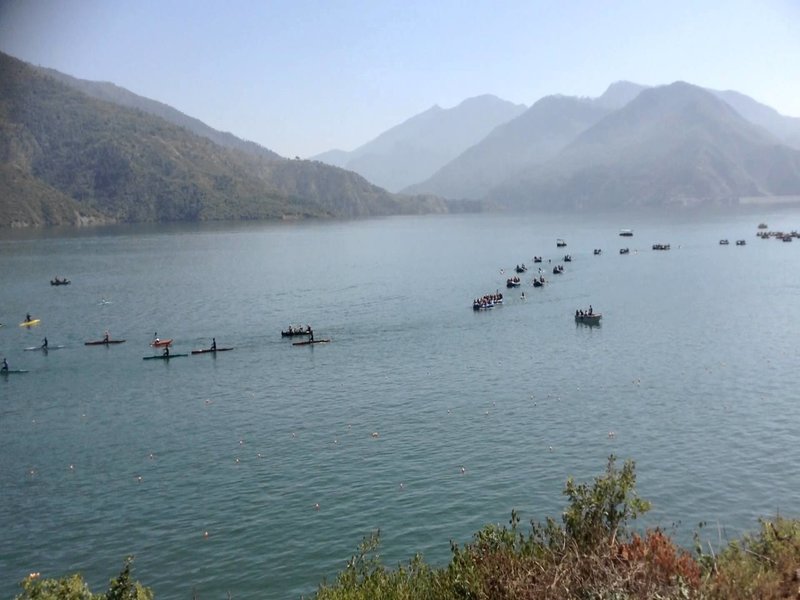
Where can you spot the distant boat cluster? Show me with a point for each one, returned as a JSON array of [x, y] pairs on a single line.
[[778, 235], [489, 301]]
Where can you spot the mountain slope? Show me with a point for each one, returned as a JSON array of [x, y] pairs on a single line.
[[120, 164], [415, 149], [532, 138], [672, 144], [109, 92], [786, 129]]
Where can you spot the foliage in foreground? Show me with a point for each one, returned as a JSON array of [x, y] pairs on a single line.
[[73, 587], [592, 554]]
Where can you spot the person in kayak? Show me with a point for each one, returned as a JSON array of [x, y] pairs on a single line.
[[214, 344], [44, 344]]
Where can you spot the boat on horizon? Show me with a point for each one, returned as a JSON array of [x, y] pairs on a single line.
[[626, 232]]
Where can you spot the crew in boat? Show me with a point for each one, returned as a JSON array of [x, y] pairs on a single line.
[[590, 310]]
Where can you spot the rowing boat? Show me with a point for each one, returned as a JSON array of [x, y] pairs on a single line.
[[102, 342], [31, 323], [210, 350], [307, 342], [12, 371], [164, 356], [45, 348], [157, 343]]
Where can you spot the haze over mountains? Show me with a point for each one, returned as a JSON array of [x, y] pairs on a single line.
[[69, 157], [74, 151], [543, 158], [414, 150], [674, 144]]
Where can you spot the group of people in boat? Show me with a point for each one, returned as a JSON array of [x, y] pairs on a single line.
[[487, 301], [521, 268], [537, 259], [558, 269], [59, 281], [585, 313], [300, 330], [513, 282]]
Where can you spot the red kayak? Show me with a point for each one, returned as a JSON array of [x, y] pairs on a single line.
[[159, 343]]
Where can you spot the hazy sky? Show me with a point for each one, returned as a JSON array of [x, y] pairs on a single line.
[[304, 76]]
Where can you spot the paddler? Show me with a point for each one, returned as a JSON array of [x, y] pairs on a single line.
[[214, 344], [5, 365], [310, 332], [105, 336], [44, 344], [166, 351], [28, 317]]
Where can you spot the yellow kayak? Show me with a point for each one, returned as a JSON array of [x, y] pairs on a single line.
[[31, 323]]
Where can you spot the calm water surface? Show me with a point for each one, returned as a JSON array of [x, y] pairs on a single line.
[[694, 369]]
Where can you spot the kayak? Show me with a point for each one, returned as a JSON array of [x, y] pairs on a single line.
[[43, 348], [210, 350], [156, 343], [12, 371], [307, 342], [163, 356], [31, 323], [102, 342]]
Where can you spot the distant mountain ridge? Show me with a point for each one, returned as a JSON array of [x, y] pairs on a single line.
[[74, 151], [671, 145], [532, 138], [69, 158], [416, 148]]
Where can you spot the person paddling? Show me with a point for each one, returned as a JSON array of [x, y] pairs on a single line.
[[44, 344], [214, 344], [28, 318], [5, 365], [310, 332], [105, 336], [166, 351]]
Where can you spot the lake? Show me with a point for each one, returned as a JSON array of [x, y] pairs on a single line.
[[258, 471]]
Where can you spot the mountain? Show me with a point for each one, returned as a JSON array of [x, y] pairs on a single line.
[[69, 158], [109, 92], [532, 138], [784, 128], [415, 149], [675, 144], [618, 94]]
